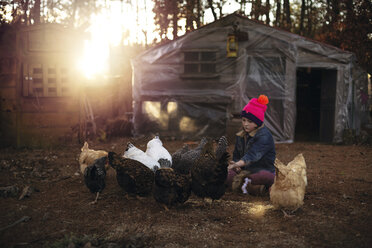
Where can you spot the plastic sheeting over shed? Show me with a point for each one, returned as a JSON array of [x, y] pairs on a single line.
[[192, 86]]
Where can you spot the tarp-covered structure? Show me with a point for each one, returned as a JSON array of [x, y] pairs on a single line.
[[194, 85]]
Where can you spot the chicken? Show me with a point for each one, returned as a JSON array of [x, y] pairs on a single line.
[[177, 157], [156, 150], [289, 186], [94, 176], [132, 176], [134, 153], [171, 188], [88, 156], [209, 172], [184, 158]]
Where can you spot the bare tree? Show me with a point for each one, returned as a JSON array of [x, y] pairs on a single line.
[[189, 14], [287, 12], [267, 12], [310, 17], [36, 12], [278, 13], [243, 5], [210, 5], [302, 16], [256, 9], [175, 10]]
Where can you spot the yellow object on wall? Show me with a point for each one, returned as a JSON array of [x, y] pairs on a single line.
[[232, 46]]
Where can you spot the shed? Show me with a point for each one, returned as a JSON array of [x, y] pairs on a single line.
[[195, 85], [45, 100], [38, 87]]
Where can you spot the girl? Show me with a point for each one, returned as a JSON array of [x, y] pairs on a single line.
[[254, 151]]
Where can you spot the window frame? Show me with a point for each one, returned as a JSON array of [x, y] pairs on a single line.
[[46, 80], [199, 62]]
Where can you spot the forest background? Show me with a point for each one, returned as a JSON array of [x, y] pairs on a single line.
[[346, 24]]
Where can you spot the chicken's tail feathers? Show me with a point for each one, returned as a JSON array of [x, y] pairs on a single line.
[[299, 159], [129, 145], [165, 163], [85, 146], [221, 147]]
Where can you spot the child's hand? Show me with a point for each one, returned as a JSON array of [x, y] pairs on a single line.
[[232, 165]]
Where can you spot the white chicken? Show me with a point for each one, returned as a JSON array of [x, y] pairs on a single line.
[[88, 156], [135, 153], [156, 150], [289, 186]]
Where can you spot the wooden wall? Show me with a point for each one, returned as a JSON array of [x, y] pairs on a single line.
[[35, 112]]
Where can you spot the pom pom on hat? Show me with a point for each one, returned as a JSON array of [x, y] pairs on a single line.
[[263, 99]]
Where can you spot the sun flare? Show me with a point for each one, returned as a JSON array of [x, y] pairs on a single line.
[[116, 25]]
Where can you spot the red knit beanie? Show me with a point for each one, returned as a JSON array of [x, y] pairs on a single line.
[[255, 109]]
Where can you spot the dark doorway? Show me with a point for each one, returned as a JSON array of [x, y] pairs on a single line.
[[316, 91]]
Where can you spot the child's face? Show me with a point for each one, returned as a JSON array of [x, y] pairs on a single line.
[[248, 125]]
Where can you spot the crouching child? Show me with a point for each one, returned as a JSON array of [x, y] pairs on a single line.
[[252, 168]]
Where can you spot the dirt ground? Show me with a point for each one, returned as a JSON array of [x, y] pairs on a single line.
[[57, 213]]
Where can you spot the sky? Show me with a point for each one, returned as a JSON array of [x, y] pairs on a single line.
[[119, 25]]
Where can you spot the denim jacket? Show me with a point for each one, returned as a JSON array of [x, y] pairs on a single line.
[[256, 147]]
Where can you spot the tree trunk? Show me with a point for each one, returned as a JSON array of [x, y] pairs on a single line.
[[37, 12], [175, 18], [278, 13], [74, 8], [335, 11], [243, 4], [302, 17], [287, 11], [310, 19], [25, 10], [349, 10], [220, 5], [267, 12], [210, 5], [190, 4], [198, 14], [256, 9]]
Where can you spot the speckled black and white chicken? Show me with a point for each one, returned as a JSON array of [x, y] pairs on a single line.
[[157, 151], [171, 188], [184, 158], [135, 153], [209, 172], [132, 176], [94, 176]]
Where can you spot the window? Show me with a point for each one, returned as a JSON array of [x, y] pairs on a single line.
[[200, 63], [42, 80]]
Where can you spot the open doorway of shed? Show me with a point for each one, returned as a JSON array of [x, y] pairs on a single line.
[[316, 94]]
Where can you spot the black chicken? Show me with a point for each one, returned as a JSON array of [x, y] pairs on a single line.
[[171, 188], [184, 158], [209, 172], [133, 176], [94, 176]]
